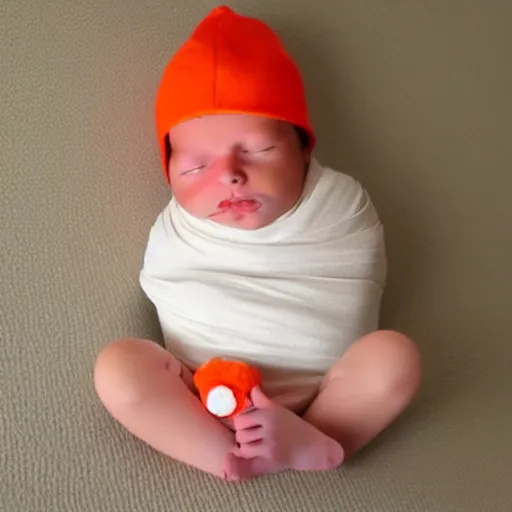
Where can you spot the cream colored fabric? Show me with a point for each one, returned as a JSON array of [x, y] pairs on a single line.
[[413, 98], [288, 298]]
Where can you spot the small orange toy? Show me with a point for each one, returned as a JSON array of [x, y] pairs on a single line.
[[224, 386]]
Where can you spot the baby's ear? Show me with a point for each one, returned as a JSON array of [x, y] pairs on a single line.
[[307, 156], [303, 137], [167, 148]]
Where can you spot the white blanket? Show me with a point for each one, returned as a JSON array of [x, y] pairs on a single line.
[[288, 298]]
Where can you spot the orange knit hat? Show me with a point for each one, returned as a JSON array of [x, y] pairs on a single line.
[[230, 64]]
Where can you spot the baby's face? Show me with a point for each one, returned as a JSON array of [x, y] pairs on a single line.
[[241, 171]]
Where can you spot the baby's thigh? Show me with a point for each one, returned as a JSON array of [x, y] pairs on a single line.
[[129, 367], [299, 399]]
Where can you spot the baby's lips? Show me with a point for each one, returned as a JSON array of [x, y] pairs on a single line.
[[245, 205], [225, 204]]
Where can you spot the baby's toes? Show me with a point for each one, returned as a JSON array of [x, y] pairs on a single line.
[[335, 456], [236, 468]]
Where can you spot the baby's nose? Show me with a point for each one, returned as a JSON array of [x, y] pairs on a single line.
[[233, 177], [230, 173]]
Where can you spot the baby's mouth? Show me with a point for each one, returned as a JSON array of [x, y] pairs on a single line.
[[240, 205]]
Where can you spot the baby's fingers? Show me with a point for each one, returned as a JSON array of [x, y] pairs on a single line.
[[249, 435], [251, 450], [249, 418]]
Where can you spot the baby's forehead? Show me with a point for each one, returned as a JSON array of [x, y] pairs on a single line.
[[229, 126]]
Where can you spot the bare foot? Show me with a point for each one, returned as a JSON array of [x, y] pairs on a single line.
[[271, 438], [238, 468]]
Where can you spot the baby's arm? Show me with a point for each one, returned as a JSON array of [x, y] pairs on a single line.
[[145, 388]]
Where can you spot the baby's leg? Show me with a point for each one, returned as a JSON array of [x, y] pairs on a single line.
[[363, 393], [145, 388], [366, 389]]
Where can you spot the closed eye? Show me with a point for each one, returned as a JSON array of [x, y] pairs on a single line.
[[259, 150], [194, 170]]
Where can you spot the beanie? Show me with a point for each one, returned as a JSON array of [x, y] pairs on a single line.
[[230, 64]]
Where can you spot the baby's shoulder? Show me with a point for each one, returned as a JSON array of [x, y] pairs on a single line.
[[338, 180], [339, 190], [160, 235]]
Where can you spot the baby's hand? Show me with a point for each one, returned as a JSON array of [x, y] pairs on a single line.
[[279, 439]]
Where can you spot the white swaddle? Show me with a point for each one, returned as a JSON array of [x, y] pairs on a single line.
[[288, 298]]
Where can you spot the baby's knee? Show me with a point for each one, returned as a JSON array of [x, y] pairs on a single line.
[[125, 368], [401, 367], [389, 363]]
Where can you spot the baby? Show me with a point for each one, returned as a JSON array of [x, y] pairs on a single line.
[[262, 255]]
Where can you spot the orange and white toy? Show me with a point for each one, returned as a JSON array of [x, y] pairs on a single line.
[[224, 386]]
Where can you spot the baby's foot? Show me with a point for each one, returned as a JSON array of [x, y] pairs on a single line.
[[271, 438], [238, 468]]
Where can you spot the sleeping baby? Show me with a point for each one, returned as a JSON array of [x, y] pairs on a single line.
[[263, 255]]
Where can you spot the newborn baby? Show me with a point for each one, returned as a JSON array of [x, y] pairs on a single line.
[[262, 255]]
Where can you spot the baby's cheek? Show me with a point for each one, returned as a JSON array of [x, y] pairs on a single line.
[[195, 196]]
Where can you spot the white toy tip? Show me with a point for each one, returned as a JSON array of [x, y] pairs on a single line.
[[221, 401]]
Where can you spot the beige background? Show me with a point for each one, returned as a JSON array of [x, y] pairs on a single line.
[[413, 98]]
